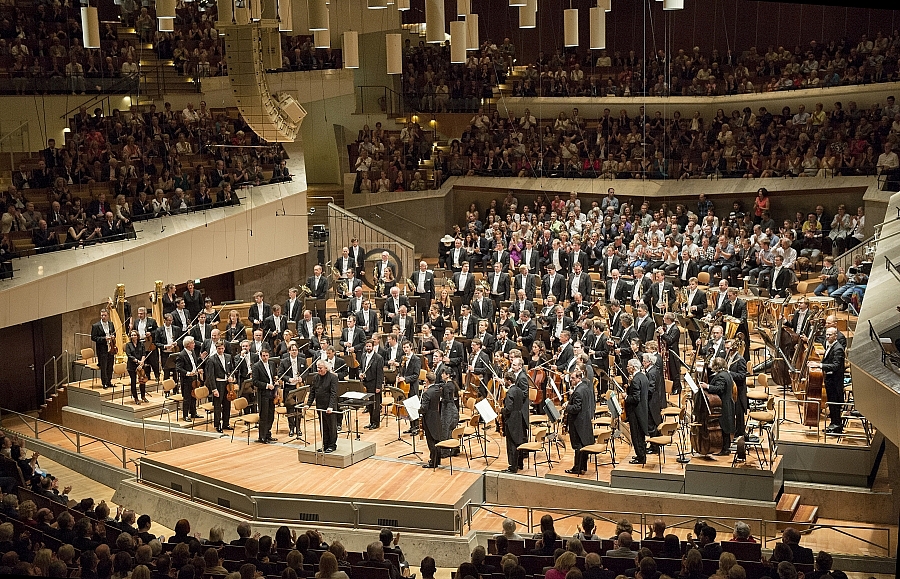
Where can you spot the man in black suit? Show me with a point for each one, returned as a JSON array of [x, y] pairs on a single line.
[[661, 297], [218, 377], [671, 337], [146, 326], [393, 303], [525, 281], [579, 282], [409, 372], [579, 414], [611, 261], [802, 555], [577, 255], [530, 258], [405, 324], [737, 367], [202, 330], [457, 257], [258, 346], [527, 330], [500, 256], [566, 354], [293, 307], [514, 425], [355, 302], [430, 412], [482, 307], [487, 339], [722, 385], [323, 392], [480, 364], [468, 323], [358, 254], [464, 282], [258, 312], [636, 400], [499, 285], [318, 286], [832, 366], [616, 287], [348, 284], [345, 263], [352, 342], [423, 287], [558, 324], [372, 375], [521, 303], [367, 319], [644, 324], [307, 325], [103, 333], [502, 343], [266, 383], [522, 383], [737, 308], [715, 347], [553, 284], [559, 258], [454, 354], [799, 321], [187, 366], [781, 278], [290, 369], [687, 269], [640, 287]]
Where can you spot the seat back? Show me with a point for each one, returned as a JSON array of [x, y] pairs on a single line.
[[120, 369], [201, 392], [668, 429], [540, 434], [87, 354], [743, 551], [168, 385], [703, 278], [458, 432], [602, 438], [239, 403]]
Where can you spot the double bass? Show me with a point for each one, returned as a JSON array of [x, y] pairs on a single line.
[[706, 432]]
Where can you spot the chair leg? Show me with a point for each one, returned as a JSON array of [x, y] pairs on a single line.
[[451, 463]]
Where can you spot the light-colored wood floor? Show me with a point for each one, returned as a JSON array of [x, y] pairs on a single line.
[[383, 480]]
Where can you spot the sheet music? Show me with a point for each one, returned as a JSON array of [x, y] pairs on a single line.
[[412, 406], [354, 395], [690, 382], [484, 409]]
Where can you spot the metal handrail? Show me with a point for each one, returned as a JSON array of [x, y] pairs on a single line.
[[102, 97], [66, 431]]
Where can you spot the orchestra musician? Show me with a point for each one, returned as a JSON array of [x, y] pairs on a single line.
[[687, 269], [521, 382], [636, 398], [137, 358], [502, 343], [348, 284], [671, 338], [290, 368], [737, 367], [423, 287], [192, 299], [265, 383], [393, 303], [526, 283], [596, 346], [345, 262], [336, 364], [202, 330], [832, 366], [578, 308], [464, 283], [656, 393], [488, 341], [457, 257], [579, 413], [358, 254], [781, 278], [498, 282], [367, 319], [530, 259], [275, 325], [307, 326], [695, 304], [212, 315], [500, 256], [610, 266], [467, 323], [323, 393], [187, 366], [578, 256], [244, 364], [404, 324], [353, 341], [514, 425], [721, 384], [566, 356], [318, 286], [661, 297], [627, 334], [527, 330], [799, 321], [640, 286], [558, 325], [146, 327], [409, 372], [234, 331], [616, 288], [644, 324], [218, 377], [385, 269], [430, 412], [168, 299], [165, 344], [553, 284], [579, 282], [372, 376], [480, 365], [615, 313], [737, 308], [715, 347], [356, 301], [103, 333], [522, 303], [482, 308], [258, 345], [259, 311]]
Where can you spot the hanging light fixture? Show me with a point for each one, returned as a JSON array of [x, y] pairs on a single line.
[[351, 49], [517, 3], [285, 16], [570, 27], [166, 25], [472, 32], [458, 41], [165, 8], [322, 38], [605, 4], [673, 4], [528, 15], [377, 4], [394, 49], [598, 28], [90, 27], [402, 5], [463, 7], [318, 15], [434, 21]]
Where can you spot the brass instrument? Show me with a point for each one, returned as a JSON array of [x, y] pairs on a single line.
[[304, 291], [485, 286], [452, 285], [408, 284], [379, 283], [342, 288], [732, 325], [334, 272], [681, 302]]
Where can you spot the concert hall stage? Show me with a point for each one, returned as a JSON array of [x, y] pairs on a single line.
[[267, 482]]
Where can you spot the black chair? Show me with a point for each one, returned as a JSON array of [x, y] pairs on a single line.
[[743, 551]]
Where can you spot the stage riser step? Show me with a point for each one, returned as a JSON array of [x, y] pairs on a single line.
[[787, 506]]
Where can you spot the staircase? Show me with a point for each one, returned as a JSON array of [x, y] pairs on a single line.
[[791, 513], [51, 410], [158, 77]]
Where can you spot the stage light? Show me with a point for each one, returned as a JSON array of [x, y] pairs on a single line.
[[570, 27], [434, 21], [166, 25], [528, 15], [318, 15], [165, 8], [598, 28], [351, 49], [394, 47], [472, 32], [321, 38], [402, 5], [463, 7], [90, 27], [673, 4], [377, 4], [457, 42]]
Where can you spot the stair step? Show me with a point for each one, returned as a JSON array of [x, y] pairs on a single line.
[[786, 507], [805, 517]]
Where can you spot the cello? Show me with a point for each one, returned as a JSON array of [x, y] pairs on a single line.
[[706, 432]]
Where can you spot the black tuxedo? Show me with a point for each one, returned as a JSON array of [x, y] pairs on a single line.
[[307, 329], [562, 258], [342, 264], [468, 290], [381, 266], [557, 325], [738, 310], [672, 337], [428, 285], [483, 310], [617, 291], [795, 324], [503, 286], [609, 263], [516, 308], [780, 282], [392, 308], [579, 414], [410, 373], [372, 376], [358, 255], [581, 258], [456, 257], [645, 329], [737, 367], [699, 301], [256, 316], [655, 296], [644, 282], [101, 349], [470, 328], [323, 392], [408, 327], [583, 286], [833, 369], [217, 374], [319, 289], [502, 258], [456, 358], [557, 287], [294, 313], [637, 395], [201, 334], [514, 424], [368, 321], [430, 412], [183, 367], [528, 284], [532, 261]]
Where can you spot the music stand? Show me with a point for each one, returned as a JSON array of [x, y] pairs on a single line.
[[399, 396], [353, 400], [292, 326], [342, 305], [554, 417], [299, 395], [317, 306], [487, 415], [412, 405]]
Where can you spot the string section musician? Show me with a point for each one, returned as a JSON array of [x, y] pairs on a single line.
[[514, 425], [636, 408], [372, 376], [265, 374], [103, 333], [579, 413], [219, 375]]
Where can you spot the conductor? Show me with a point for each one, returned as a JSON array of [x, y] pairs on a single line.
[[323, 392], [431, 419], [636, 410], [514, 423]]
